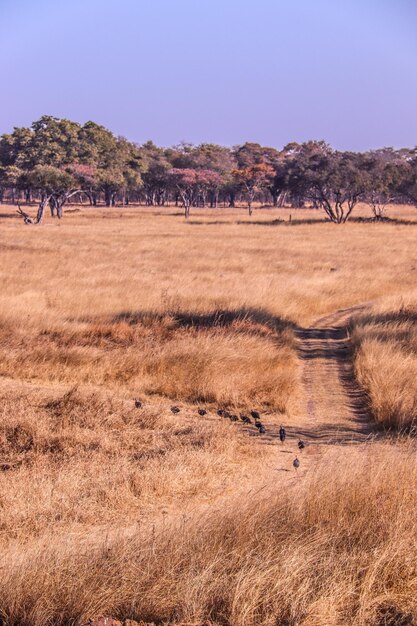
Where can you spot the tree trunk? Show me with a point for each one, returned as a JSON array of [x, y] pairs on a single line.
[[379, 211], [90, 197], [39, 215], [282, 198], [107, 197], [52, 206], [59, 207], [41, 209]]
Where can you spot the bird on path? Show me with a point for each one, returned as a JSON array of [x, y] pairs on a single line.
[[296, 463], [234, 418], [138, 403], [259, 425], [255, 415], [202, 412], [175, 409], [301, 445], [220, 412], [245, 419], [262, 429], [282, 434]]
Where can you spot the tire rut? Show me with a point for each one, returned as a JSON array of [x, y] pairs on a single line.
[[335, 405]]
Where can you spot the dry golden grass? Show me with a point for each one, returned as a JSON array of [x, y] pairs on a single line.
[[386, 361], [232, 358], [107, 262], [93, 459], [106, 508], [335, 548]]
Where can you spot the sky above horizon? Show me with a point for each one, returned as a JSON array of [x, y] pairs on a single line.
[[218, 71]]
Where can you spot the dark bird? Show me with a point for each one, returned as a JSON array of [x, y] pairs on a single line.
[[259, 425], [234, 418], [138, 403], [282, 434], [262, 429], [245, 419], [175, 409], [255, 415], [202, 412], [220, 412], [227, 414], [296, 463], [301, 445]]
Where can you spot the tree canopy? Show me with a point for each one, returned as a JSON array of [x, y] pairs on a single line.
[[55, 159]]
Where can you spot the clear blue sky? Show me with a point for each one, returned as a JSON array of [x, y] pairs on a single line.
[[224, 71]]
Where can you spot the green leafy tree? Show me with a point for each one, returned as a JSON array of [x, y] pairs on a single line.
[[334, 181], [10, 178], [381, 169], [54, 142], [406, 176], [55, 186]]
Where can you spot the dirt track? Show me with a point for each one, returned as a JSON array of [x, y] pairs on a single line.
[[335, 406], [332, 409]]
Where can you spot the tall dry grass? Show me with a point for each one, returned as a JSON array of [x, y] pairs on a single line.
[[105, 508], [334, 548], [236, 357], [386, 361], [85, 458], [105, 262]]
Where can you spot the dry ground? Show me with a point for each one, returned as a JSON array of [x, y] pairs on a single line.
[[105, 508]]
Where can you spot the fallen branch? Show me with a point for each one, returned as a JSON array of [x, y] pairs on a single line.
[[26, 217]]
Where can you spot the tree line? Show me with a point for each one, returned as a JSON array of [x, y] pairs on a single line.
[[56, 160]]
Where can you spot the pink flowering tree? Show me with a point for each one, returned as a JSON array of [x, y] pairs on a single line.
[[253, 180], [193, 185]]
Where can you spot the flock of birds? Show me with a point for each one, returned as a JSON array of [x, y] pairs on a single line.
[[255, 419]]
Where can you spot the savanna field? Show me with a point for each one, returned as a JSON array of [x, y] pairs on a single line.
[[138, 512]]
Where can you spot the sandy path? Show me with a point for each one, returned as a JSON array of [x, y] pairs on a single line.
[[335, 407], [332, 410]]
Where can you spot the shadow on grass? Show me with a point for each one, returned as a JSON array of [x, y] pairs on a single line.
[[385, 220], [329, 342], [281, 222], [304, 221], [394, 317], [220, 318], [10, 216]]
